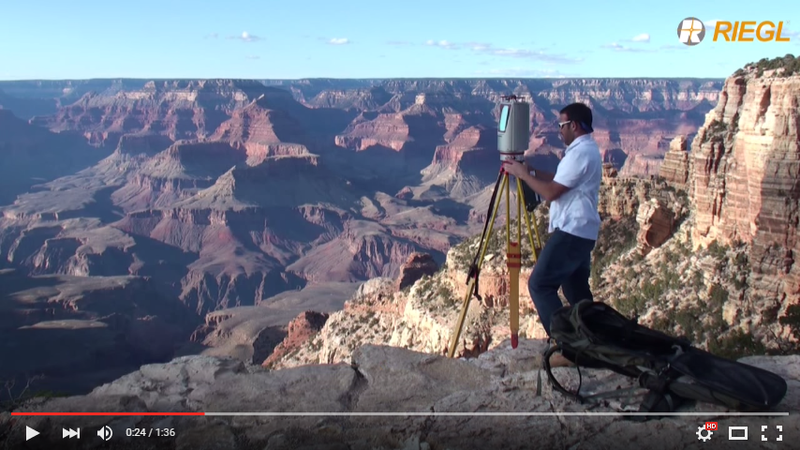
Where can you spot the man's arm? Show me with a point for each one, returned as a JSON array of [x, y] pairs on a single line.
[[544, 175], [548, 189], [571, 170]]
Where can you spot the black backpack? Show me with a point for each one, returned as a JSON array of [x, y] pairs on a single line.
[[595, 335]]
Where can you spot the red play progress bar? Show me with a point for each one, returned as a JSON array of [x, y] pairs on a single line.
[[107, 414]]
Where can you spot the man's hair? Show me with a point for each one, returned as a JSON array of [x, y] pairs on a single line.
[[580, 114]]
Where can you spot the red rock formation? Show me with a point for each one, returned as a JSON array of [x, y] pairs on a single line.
[[174, 174], [386, 130], [299, 331], [656, 224], [147, 144], [405, 193], [368, 99], [609, 171], [745, 168], [641, 165], [675, 168], [467, 164], [620, 197], [472, 149], [178, 109], [416, 266], [258, 125], [363, 250]]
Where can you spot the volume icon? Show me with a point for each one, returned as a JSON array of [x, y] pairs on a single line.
[[105, 433], [70, 433]]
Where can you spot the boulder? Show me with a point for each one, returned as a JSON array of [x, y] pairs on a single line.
[[416, 266]]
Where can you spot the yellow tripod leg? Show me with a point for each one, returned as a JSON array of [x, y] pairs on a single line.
[[538, 241], [513, 262], [465, 306]]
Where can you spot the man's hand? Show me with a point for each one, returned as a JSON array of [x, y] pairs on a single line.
[[516, 168]]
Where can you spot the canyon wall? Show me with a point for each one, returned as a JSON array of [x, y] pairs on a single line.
[[744, 176]]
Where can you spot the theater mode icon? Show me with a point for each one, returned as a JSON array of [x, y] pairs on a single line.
[[738, 433]]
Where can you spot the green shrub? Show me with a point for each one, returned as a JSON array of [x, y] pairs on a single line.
[[789, 63], [792, 320], [616, 237], [736, 344]]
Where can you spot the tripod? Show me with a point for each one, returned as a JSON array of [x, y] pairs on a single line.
[[513, 252]]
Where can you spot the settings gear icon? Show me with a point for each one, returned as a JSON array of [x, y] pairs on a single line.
[[703, 434]]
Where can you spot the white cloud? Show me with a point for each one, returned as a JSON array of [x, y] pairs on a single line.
[[520, 72], [246, 37], [639, 38], [710, 23], [252, 57], [442, 44], [674, 47], [621, 48], [539, 55], [211, 36], [490, 50], [338, 41]]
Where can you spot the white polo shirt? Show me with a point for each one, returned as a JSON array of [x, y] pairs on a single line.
[[581, 170]]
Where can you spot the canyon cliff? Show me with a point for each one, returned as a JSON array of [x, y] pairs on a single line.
[[745, 184]]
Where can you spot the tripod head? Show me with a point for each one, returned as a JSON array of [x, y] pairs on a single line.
[[513, 128]]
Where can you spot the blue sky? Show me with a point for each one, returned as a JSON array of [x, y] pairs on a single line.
[[47, 39]]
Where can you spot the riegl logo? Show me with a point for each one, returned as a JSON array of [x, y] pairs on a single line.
[[691, 31], [765, 31]]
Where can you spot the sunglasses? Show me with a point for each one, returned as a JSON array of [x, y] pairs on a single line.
[[561, 124]]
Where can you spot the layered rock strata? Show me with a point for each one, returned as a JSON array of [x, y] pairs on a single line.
[[745, 185], [675, 168]]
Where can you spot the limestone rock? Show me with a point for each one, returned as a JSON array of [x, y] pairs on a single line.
[[641, 165], [675, 168], [745, 163], [417, 265], [655, 225], [299, 331], [609, 171]]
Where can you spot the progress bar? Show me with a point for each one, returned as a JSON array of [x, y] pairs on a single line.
[[491, 413], [108, 414], [411, 413]]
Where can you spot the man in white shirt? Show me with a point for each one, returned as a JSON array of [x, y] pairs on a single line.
[[565, 260]]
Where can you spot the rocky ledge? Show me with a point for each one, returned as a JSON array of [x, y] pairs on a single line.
[[386, 379]]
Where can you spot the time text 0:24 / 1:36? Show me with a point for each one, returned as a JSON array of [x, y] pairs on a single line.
[[150, 432]]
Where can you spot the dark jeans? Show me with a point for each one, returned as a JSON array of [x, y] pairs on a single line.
[[565, 261]]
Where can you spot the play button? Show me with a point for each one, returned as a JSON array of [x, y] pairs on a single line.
[[30, 433]]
